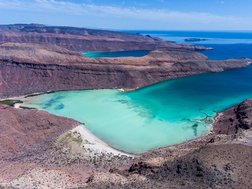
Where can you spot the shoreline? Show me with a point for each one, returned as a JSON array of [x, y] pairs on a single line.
[[95, 145], [130, 89], [91, 143]]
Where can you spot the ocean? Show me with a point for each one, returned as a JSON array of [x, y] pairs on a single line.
[[166, 113]]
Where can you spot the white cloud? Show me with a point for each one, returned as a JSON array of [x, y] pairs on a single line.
[[163, 16]]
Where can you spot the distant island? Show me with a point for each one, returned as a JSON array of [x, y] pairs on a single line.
[[42, 150], [195, 39]]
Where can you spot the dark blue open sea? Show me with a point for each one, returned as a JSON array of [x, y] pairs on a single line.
[[226, 44], [167, 113]]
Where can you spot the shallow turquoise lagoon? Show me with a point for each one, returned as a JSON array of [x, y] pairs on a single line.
[[116, 54], [160, 115]]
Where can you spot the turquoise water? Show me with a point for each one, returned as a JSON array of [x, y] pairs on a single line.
[[164, 114], [116, 54]]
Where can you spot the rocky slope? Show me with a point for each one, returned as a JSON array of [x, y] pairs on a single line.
[[33, 153], [234, 119], [28, 68], [30, 158], [221, 159], [38, 58], [26, 139], [81, 39]]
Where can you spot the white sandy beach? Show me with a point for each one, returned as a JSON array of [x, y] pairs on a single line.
[[95, 144]]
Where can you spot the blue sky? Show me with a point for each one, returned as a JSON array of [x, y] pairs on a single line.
[[132, 14]]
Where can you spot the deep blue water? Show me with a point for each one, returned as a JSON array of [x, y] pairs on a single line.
[[138, 53], [213, 37], [167, 113], [227, 51], [226, 44]]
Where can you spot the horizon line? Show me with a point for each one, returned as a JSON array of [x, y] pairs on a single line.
[[125, 30]]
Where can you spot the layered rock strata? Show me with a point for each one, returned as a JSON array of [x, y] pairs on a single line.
[[31, 68]]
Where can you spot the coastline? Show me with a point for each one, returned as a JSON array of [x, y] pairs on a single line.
[[40, 149], [95, 145], [98, 170], [91, 142]]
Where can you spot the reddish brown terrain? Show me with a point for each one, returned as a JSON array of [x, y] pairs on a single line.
[[31, 156], [35, 58], [29, 68], [81, 39], [27, 145], [40, 150]]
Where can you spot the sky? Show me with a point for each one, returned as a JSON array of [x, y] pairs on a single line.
[[132, 14]]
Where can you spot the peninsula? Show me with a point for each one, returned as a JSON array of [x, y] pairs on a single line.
[[41, 150], [36, 58]]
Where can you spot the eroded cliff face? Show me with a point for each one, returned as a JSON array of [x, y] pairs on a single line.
[[23, 78], [78, 39], [235, 119], [38, 58], [30, 68], [82, 39], [35, 58]]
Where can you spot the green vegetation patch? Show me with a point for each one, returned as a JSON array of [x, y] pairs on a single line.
[[10, 102]]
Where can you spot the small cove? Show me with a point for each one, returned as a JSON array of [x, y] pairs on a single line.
[[164, 114]]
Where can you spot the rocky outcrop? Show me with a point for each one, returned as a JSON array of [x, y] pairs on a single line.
[[235, 119], [213, 166], [30, 155], [30, 159], [38, 58], [29, 68], [82, 39], [220, 159], [22, 130], [27, 146]]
